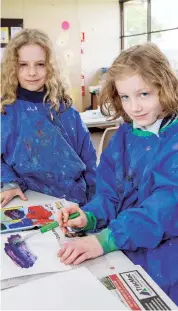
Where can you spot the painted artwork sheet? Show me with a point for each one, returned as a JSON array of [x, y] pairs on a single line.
[[30, 252], [17, 218]]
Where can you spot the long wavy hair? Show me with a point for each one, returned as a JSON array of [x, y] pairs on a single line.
[[56, 92], [151, 64]]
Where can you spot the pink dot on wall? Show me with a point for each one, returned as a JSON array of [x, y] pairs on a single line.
[[65, 25]]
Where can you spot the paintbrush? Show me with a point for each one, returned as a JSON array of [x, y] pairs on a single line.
[[44, 229]]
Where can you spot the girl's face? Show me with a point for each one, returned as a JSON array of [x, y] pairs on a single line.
[[139, 100], [32, 67]]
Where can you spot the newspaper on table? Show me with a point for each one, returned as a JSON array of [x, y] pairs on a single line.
[[137, 290]]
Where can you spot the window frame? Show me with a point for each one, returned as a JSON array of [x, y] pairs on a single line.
[[149, 31]]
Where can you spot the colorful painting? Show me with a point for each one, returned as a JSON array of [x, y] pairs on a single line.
[[25, 217], [18, 251], [30, 252]]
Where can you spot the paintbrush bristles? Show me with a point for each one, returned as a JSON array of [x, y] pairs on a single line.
[[20, 241]]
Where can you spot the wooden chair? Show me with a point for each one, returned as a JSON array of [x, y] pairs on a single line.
[[108, 133]]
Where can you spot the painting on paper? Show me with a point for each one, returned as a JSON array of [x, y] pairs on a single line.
[[17, 218], [31, 252]]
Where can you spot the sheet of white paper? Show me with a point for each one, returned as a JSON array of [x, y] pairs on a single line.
[[15, 30], [8, 283], [4, 35], [73, 290], [37, 255]]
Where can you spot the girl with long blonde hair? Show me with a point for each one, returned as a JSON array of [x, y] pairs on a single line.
[[45, 145], [135, 208]]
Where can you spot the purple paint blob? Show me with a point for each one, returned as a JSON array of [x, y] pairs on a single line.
[[19, 252], [14, 214]]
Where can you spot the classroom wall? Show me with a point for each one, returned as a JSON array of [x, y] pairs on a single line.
[[99, 19], [100, 22]]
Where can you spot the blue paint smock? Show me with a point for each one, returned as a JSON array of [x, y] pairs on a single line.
[[46, 151], [135, 208]]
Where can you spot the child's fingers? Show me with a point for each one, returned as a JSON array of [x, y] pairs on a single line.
[[21, 195], [4, 201], [71, 258], [62, 250], [77, 222], [65, 217], [73, 208], [6, 197], [64, 230], [2, 197], [80, 259], [66, 254], [60, 217]]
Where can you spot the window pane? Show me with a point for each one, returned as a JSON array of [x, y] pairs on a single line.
[[164, 14], [129, 41], [168, 43], [135, 17]]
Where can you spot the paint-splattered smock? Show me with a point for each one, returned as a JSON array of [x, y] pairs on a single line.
[[49, 154], [137, 201]]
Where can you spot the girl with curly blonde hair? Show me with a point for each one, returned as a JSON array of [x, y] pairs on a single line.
[[45, 145], [135, 208]]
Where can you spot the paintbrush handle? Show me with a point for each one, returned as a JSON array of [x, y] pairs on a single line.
[[30, 235], [49, 226], [55, 224]]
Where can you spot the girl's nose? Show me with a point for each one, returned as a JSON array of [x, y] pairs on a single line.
[[32, 71], [136, 106]]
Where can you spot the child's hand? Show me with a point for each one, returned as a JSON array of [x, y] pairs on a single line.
[[64, 221], [8, 195], [80, 250]]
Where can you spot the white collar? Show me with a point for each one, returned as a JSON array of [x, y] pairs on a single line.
[[153, 128]]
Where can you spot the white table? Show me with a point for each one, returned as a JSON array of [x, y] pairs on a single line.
[[99, 122], [94, 118], [100, 266]]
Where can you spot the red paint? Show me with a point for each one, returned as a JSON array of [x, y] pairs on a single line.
[[40, 133], [39, 214]]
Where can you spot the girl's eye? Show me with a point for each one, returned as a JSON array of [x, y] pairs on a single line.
[[22, 65], [124, 97], [144, 94], [41, 64]]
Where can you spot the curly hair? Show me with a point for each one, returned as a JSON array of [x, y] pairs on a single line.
[[151, 64], [55, 88]]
